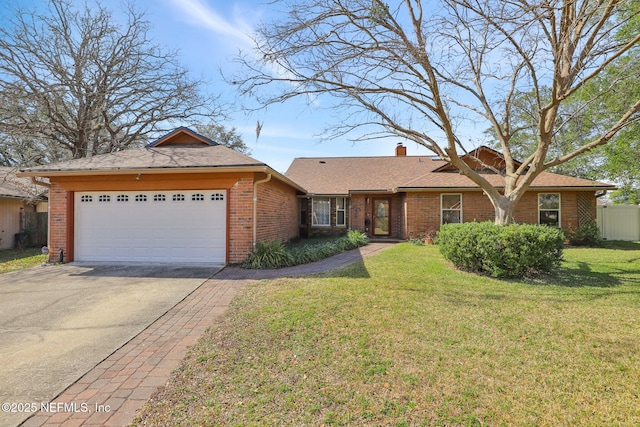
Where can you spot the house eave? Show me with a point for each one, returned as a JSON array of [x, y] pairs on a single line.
[[389, 191], [532, 188], [257, 168]]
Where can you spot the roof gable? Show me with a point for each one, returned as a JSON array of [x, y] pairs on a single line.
[[482, 158], [182, 136]]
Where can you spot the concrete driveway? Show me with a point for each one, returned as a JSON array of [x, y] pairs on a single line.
[[58, 322]]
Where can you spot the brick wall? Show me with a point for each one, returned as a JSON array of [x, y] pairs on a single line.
[[358, 212], [277, 212], [423, 210], [57, 221], [240, 220]]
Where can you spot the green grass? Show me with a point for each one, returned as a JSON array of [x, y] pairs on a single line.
[[404, 340], [11, 260]]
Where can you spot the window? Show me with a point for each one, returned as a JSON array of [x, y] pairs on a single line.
[[122, 198], [141, 197], [86, 199], [321, 212], [178, 198], [549, 209], [198, 197], [217, 196], [159, 198], [451, 205], [104, 198], [341, 211]]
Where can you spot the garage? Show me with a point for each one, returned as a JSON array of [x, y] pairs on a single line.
[[180, 199], [151, 226]]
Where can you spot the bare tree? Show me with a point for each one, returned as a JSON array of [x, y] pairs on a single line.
[[429, 71], [75, 79], [227, 137]]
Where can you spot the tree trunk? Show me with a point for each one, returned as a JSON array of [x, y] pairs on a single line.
[[504, 210]]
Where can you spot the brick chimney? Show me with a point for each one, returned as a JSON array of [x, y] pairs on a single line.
[[401, 150]]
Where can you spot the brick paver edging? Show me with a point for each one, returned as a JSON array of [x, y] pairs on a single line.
[[113, 391]]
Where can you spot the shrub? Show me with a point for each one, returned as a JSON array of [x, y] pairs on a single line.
[[585, 235], [513, 250], [358, 238], [277, 255], [269, 254]]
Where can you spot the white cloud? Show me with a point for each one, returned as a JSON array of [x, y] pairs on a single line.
[[199, 13]]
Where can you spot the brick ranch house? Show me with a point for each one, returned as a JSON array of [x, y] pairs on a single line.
[[185, 198], [403, 197]]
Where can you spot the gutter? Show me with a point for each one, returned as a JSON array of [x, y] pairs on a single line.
[[255, 207], [164, 170], [461, 189]]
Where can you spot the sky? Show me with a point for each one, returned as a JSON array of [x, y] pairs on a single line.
[[209, 35]]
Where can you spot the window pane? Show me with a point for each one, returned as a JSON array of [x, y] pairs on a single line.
[[451, 201], [321, 213], [451, 217], [549, 201], [341, 211], [549, 218]]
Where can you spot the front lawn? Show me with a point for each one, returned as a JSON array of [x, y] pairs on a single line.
[[402, 339], [11, 259]]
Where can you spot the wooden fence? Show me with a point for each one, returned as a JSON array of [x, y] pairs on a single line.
[[34, 225], [619, 222]]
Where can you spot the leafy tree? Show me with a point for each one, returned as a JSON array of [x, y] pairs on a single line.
[[74, 83], [425, 72], [619, 160], [227, 137]]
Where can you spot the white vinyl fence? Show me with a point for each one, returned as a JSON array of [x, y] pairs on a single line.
[[619, 222]]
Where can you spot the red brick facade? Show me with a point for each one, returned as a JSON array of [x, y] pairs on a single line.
[[416, 214], [57, 222], [277, 212], [240, 218], [424, 212]]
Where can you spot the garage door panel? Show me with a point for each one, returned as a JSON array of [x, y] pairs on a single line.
[[153, 226]]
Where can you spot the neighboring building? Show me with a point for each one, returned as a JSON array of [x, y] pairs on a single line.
[[402, 197], [187, 199], [20, 202]]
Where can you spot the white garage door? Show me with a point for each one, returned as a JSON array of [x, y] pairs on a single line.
[[151, 226]]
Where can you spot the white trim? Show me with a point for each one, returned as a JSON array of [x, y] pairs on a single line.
[[550, 210], [343, 210], [442, 209]]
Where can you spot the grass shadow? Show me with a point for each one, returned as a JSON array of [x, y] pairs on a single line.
[[621, 245], [583, 276], [15, 254]]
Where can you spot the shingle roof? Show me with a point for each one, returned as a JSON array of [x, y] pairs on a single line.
[[14, 187], [342, 175], [163, 157]]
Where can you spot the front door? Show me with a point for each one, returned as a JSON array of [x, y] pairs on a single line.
[[381, 217]]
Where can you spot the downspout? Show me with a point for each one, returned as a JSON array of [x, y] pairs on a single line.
[[255, 207]]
